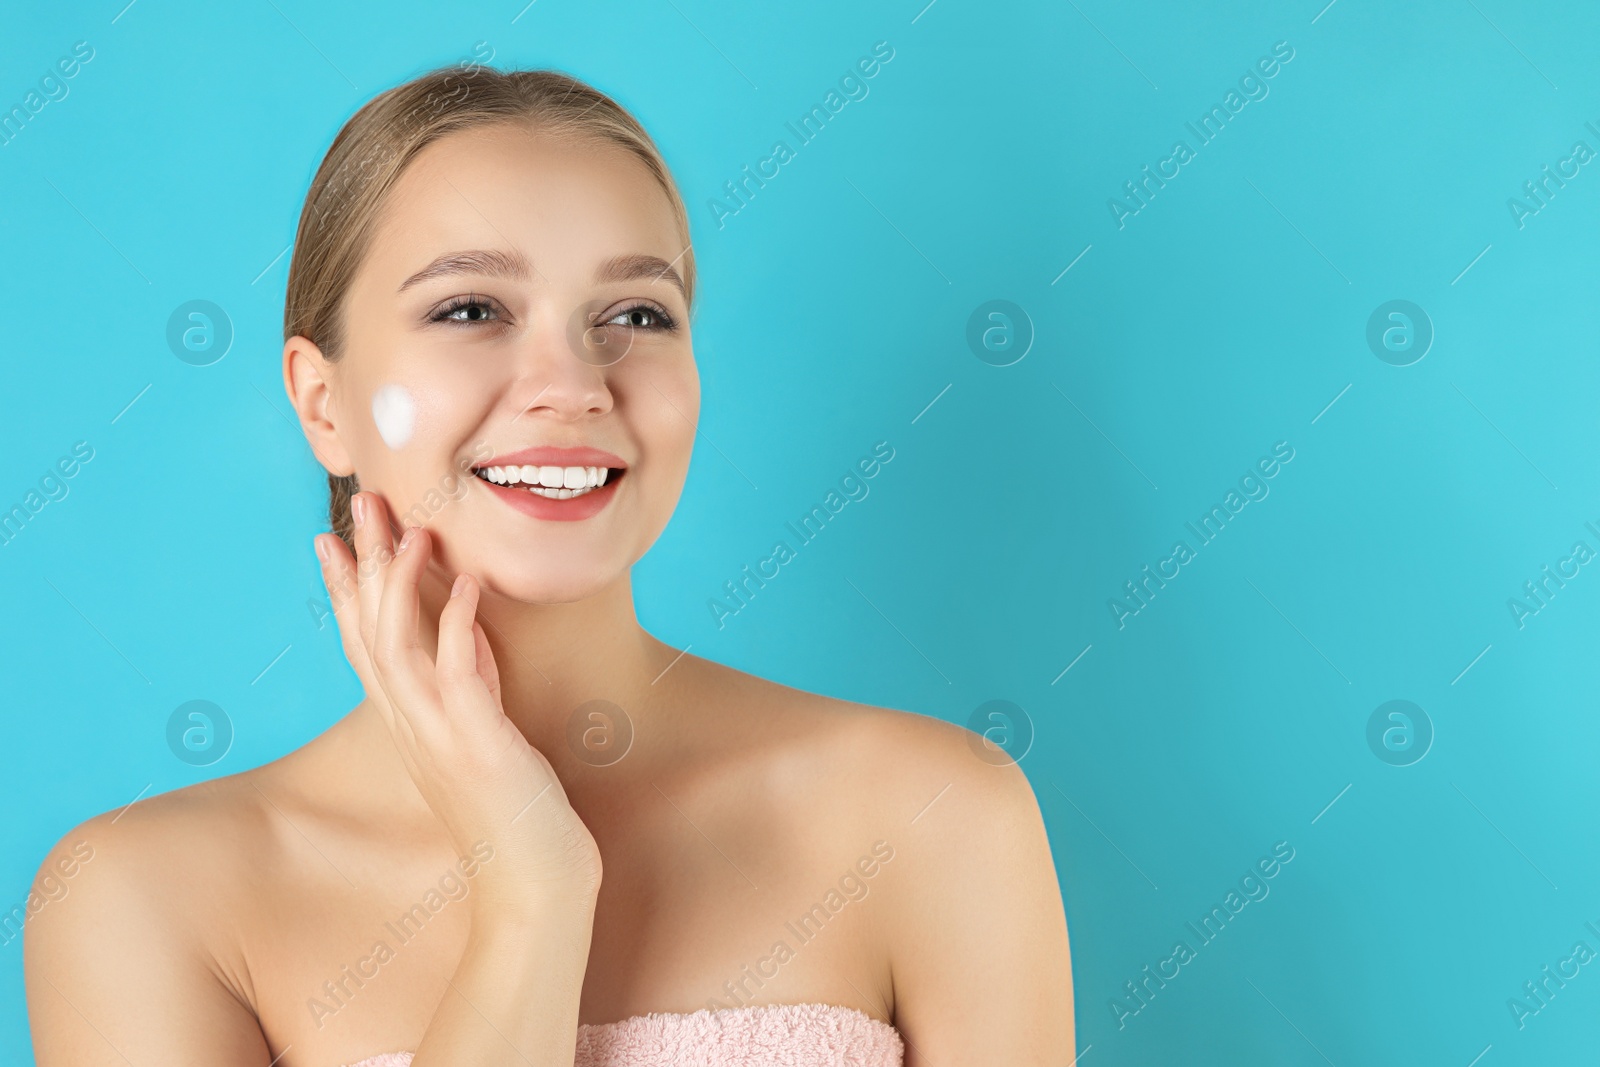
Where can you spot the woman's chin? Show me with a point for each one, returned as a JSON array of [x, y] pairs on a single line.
[[544, 588]]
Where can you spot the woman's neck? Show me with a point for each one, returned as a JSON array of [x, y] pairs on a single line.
[[553, 659]]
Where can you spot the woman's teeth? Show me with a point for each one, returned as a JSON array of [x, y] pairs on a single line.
[[556, 483]]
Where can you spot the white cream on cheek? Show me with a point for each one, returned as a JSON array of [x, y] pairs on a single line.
[[395, 414]]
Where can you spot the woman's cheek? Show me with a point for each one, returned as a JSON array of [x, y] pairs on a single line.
[[418, 413], [677, 427], [394, 413]]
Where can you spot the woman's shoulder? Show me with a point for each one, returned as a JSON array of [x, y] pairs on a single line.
[[970, 854], [207, 829], [162, 853], [141, 913], [962, 820], [194, 858], [886, 765], [226, 827], [149, 893]]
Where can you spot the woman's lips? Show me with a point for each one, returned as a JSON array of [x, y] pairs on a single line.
[[583, 506], [532, 479], [549, 456]]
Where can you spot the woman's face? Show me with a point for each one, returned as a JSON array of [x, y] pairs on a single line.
[[522, 301]]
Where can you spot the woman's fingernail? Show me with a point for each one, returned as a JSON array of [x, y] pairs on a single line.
[[358, 508], [460, 584], [322, 548], [409, 536]]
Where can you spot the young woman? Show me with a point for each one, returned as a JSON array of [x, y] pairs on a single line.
[[544, 836]]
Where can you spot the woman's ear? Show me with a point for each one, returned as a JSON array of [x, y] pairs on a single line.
[[305, 378]]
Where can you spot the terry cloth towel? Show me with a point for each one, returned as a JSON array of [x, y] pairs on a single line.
[[768, 1035]]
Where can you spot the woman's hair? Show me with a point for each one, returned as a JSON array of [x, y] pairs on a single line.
[[373, 149]]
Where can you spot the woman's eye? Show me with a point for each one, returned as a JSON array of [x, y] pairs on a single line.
[[641, 317], [466, 309]]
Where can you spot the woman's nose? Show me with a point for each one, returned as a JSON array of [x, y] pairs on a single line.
[[564, 367]]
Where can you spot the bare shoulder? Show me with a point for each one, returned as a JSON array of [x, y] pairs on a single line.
[[195, 857], [974, 920], [161, 861], [899, 771], [898, 765], [128, 927], [951, 799]]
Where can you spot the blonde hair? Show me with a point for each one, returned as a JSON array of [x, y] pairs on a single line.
[[373, 149]]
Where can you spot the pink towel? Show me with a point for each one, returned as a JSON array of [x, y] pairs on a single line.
[[766, 1035]]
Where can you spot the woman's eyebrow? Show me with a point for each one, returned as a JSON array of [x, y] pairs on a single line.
[[516, 267], [494, 263], [631, 267]]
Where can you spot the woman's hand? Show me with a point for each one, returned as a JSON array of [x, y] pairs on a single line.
[[470, 763]]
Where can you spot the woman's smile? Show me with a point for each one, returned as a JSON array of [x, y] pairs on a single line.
[[564, 484]]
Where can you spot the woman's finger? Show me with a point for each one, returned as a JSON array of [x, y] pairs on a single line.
[[402, 663], [488, 670], [394, 691], [339, 576], [459, 672], [374, 553]]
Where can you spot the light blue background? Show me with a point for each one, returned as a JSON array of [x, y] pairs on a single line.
[[1224, 317]]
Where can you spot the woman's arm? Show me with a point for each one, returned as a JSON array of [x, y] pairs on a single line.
[[980, 960], [515, 993], [514, 997]]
